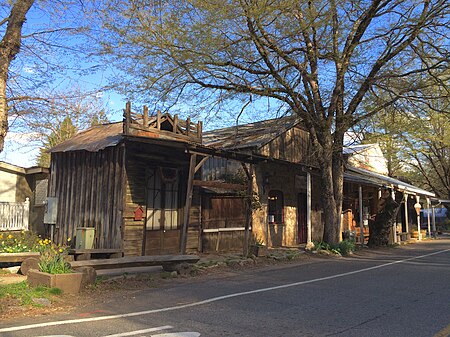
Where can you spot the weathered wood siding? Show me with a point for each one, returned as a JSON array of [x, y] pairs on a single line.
[[193, 244], [292, 145], [89, 189], [222, 211], [133, 234]]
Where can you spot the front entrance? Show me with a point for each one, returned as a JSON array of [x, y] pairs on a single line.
[[301, 218], [162, 219]]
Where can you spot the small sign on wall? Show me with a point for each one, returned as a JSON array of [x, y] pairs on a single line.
[[138, 213]]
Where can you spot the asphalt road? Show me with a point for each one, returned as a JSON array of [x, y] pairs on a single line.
[[398, 292]]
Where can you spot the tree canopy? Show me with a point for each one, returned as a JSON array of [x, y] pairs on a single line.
[[316, 59]]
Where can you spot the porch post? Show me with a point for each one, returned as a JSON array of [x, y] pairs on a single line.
[[433, 209], [249, 212], [360, 202], [187, 206], [308, 210], [406, 213], [394, 229], [419, 234], [428, 218]]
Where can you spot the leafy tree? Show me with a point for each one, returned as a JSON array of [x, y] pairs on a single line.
[[50, 59], [415, 138], [65, 131], [317, 59], [9, 47], [62, 118]]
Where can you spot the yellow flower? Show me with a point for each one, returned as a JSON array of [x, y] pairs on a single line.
[[68, 239], [1, 236], [10, 236], [61, 250]]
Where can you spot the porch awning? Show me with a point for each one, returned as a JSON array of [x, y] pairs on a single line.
[[366, 177]]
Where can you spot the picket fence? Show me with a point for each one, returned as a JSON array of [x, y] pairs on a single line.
[[14, 216]]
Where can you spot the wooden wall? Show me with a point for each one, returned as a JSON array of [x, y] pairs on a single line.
[[292, 145], [88, 186], [135, 196]]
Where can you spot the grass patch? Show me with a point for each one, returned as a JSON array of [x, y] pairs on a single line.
[[25, 294]]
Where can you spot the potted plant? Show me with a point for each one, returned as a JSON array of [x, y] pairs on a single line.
[[54, 270], [256, 247]]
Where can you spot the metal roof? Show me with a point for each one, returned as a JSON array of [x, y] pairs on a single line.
[[93, 139], [249, 135], [363, 176]]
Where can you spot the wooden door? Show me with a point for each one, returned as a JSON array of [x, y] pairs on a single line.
[[222, 211], [301, 218], [162, 219]]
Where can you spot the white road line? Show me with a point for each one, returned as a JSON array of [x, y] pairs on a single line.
[[213, 299], [137, 332]]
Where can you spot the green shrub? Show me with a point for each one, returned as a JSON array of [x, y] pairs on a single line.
[[346, 247]]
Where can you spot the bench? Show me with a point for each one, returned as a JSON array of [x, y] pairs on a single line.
[[168, 262], [17, 257], [87, 254]]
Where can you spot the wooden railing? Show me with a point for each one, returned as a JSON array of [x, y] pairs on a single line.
[[160, 123], [14, 216]]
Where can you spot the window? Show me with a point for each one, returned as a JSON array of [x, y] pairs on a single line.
[[40, 193], [275, 207]]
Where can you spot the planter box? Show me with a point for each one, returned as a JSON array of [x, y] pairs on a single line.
[[257, 250], [68, 283], [17, 257]]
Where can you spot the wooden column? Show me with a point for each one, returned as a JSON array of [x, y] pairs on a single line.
[[127, 118], [406, 213], [433, 210], [428, 218], [145, 116], [360, 202], [308, 209], [248, 213], [395, 222], [187, 206], [419, 234]]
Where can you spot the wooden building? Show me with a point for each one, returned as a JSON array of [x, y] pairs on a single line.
[[159, 185], [287, 209], [127, 180]]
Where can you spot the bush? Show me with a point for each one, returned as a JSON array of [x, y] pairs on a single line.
[[346, 247]]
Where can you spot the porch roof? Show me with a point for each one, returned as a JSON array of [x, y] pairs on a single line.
[[362, 176]]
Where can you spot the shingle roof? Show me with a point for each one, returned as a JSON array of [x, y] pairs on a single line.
[[249, 135]]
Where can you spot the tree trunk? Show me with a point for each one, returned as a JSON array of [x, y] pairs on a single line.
[[380, 228], [332, 193], [9, 47]]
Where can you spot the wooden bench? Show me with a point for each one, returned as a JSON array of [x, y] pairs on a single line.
[[168, 262], [17, 257], [87, 254]]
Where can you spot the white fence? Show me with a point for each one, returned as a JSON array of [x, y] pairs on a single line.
[[14, 216]]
